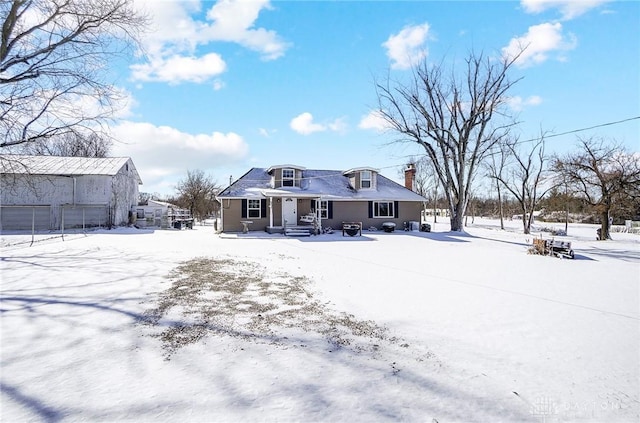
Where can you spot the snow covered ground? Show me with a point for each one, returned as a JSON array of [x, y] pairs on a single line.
[[254, 327]]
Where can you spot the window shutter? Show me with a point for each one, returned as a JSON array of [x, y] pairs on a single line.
[[370, 209], [314, 205], [263, 208], [244, 208], [329, 209], [395, 209]]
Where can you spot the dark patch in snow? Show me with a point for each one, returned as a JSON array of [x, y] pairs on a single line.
[[225, 297]]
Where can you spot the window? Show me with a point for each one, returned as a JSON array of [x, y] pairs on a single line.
[[139, 213], [323, 207], [365, 179], [253, 209], [288, 176], [383, 209]]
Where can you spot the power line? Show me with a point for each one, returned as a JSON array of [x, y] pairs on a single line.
[[573, 131], [586, 129]]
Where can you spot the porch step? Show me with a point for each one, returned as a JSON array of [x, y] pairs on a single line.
[[297, 232]]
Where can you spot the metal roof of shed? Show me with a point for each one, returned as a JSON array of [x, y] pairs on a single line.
[[68, 166]]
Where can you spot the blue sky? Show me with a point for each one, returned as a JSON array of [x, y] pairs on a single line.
[[226, 86]]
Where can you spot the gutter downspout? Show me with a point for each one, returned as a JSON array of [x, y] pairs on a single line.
[[271, 212], [221, 215]]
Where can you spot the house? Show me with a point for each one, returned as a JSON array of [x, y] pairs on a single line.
[[54, 193], [162, 215], [286, 196]]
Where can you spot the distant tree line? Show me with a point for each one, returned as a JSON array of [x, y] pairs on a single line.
[[597, 182]]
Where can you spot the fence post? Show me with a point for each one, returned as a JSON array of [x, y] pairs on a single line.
[[33, 224]]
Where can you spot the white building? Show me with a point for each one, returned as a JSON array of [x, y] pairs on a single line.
[[50, 192], [162, 215]]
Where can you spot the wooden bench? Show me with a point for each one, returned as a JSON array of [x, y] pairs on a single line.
[[308, 218], [551, 247]]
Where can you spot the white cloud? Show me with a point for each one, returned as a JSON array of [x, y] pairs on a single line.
[[218, 84], [172, 29], [408, 47], [517, 103], [373, 121], [177, 69], [304, 124], [68, 108], [338, 125], [163, 154], [119, 108], [569, 8], [538, 43], [176, 35], [267, 133], [233, 21]]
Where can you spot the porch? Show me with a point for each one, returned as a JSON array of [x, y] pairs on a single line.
[[292, 230], [293, 213]]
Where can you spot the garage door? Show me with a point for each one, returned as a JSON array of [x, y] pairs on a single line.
[[15, 218], [85, 216]]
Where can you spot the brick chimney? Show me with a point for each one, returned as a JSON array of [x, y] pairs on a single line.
[[410, 177]]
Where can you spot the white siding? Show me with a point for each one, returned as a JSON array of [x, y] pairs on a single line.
[[117, 193]]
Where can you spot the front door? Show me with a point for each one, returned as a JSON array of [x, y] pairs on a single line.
[[289, 211]]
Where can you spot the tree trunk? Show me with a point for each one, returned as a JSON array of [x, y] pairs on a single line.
[[526, 224], [456, 223], [435, 205], [457, 218], [473, 213], [527, 229], [500, 208], [604, 226]]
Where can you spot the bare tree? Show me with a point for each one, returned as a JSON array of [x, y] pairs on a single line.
[[524, 176], [452, 118], [602, 172], [430, 183], [53, 65], [71, 145], [144, 197], [426, 180], [197, 193], [495, 166]]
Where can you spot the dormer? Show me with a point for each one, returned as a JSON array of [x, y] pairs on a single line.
[[284, 176], [362, 178]]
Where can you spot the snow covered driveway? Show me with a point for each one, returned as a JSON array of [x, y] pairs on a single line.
[[384, 327]]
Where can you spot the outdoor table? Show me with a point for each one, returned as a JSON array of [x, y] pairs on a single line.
[[245, 225]]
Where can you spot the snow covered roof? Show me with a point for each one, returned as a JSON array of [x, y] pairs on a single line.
[[359, 169], [68, 166], [285, 166], [327, 184], [158, 203]]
